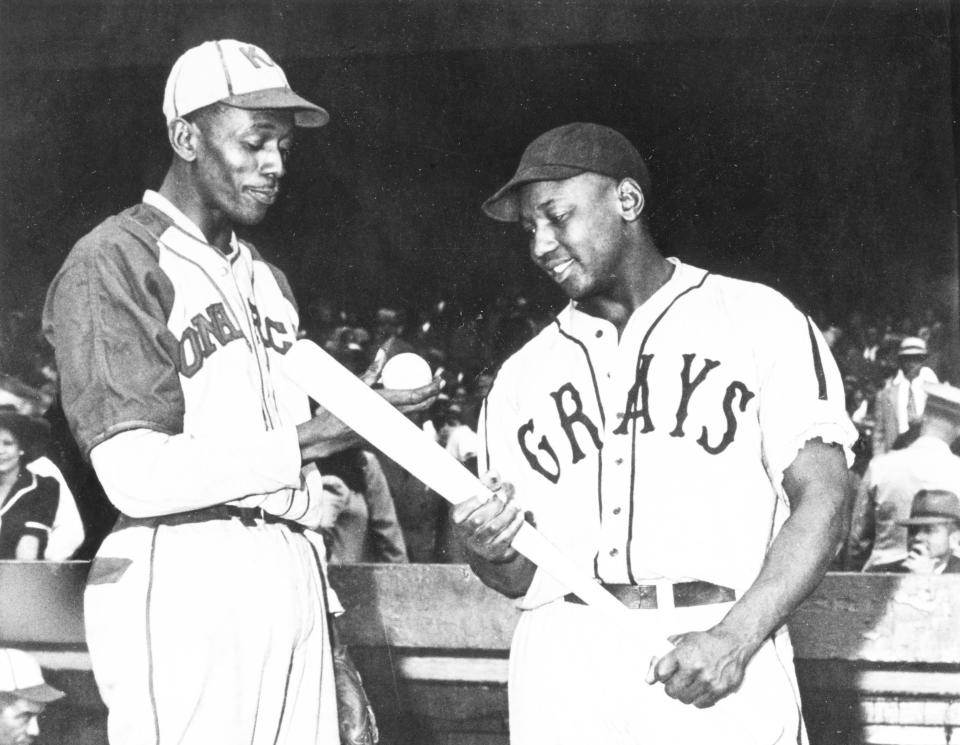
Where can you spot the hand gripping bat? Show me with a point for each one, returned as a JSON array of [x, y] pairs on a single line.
[[369, 415]]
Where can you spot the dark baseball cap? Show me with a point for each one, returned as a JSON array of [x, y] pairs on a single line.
[[566, 152]]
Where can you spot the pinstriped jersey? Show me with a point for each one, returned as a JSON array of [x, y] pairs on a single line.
[[167, 333], [661, 454]]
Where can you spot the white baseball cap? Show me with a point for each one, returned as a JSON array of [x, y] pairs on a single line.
[[912, 346], [20, 675], [235, 73]]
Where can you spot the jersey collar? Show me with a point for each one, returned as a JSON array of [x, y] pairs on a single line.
[[583, 324], [156, 200]]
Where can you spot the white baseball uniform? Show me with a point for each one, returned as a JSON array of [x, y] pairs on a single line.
[[206, 621], [653, 459]]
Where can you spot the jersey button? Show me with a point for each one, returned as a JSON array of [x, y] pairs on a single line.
[[599, 333], [619, 461], [614, 551], [616, 511]]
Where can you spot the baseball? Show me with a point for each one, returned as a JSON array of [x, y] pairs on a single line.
[[406, 370]]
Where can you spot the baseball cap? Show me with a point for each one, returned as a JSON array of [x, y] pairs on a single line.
[[235, 73], [566, 152], [943, 401], [912, 346], [932, 507], [20, 675]]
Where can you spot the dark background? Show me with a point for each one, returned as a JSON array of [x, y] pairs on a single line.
[[809, 145]]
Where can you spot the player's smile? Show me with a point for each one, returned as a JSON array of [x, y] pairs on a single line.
[[574, 229], [558, 270], [245, 154], [265, 195]]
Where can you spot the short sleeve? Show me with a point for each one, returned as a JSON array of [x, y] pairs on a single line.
[[105, 316], [801, 393]]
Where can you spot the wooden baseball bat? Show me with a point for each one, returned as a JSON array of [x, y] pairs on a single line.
[[348, 398]]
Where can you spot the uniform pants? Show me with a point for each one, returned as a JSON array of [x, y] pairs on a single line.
[[577, 676], [212, 632]]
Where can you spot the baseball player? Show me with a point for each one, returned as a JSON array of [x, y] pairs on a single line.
[[205, 607], [682, 437]]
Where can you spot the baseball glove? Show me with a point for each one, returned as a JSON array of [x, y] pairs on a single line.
[[358, 725]]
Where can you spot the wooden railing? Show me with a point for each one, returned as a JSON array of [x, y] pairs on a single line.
[[878, 656]]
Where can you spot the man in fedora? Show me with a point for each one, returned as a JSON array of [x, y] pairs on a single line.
[[24, 695], [900, 403], [933, 530], [886, 491]]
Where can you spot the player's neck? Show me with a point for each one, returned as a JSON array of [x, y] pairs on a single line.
[[637, 283], [214, 225]]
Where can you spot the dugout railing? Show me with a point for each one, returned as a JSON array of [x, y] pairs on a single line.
[[878, 656]]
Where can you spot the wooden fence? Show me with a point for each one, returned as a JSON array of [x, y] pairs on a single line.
[[878, 656]]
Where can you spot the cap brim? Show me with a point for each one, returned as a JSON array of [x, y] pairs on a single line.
[[43, 693], [305, 114], [504, 205], [931, 520]]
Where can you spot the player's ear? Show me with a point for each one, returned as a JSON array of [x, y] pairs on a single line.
[[630, 199], [183, 138]]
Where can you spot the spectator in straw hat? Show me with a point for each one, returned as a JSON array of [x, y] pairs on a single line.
[[24, 695], [900, 402], [934, 535]]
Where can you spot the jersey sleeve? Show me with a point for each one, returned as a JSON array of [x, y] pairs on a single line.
[[105, 316], [146, 473], [801, 394]]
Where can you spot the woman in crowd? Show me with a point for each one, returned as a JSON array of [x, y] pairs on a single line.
[[28, 503]]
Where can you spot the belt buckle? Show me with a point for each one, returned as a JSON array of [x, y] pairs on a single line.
[[247, 515]]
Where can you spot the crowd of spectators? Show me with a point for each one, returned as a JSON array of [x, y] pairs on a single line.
[[867, 349], [378, 511]]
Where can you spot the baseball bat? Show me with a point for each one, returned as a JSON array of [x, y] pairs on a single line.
[[368, 414]]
